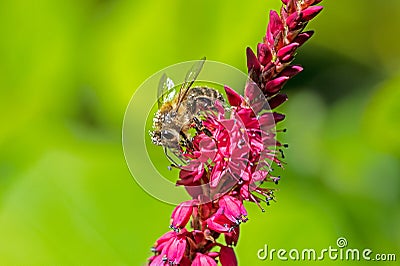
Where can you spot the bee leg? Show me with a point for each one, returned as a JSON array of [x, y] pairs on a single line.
[[207, 132], [186, 141], [189, 144], [199, 127], [174, 164], [198, 123]]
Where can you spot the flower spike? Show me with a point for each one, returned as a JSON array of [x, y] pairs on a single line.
[[233, 149]]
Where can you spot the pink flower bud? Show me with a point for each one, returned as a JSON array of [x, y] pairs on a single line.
[[254, 96], [291, 71], [311, 2], [285, 54], [264, 54], [303, 37], [232, 237], [278, 117], [181, 214], [293, 21], [252, 61], [310, 12], [277, 100], [274, 27], [213, 254], [275, 85], [227, 256], [267, 120], [291, 6], [233, 97]]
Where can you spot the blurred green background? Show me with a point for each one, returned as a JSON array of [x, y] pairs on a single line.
[[69, 68]]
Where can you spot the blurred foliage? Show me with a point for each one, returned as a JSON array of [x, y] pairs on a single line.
[[69, 68]]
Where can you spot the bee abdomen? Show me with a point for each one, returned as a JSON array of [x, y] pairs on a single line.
[[205, 91], [202, 99]]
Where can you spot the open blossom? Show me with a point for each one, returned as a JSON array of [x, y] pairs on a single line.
[[231, 158], [181, 214], [203, 260], [242, 145]]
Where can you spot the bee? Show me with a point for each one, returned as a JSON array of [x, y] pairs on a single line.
[[180, 111]]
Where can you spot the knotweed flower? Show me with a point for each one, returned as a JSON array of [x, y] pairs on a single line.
[[233, 151], [201, 260]]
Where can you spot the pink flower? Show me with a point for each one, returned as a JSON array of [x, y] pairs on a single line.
[[242, 147], [218, 222], [227, 256], [160, 243], [175, 249], [181, 214], [233, 150], [232, 237], [203, 260], [233, 209], [158, 260], [170, 248]]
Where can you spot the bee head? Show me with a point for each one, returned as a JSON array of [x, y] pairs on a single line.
[[155, 137], [169, 137], [164, 137]]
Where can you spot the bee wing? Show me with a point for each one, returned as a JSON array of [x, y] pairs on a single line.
[[190, 78], [164, 86]]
